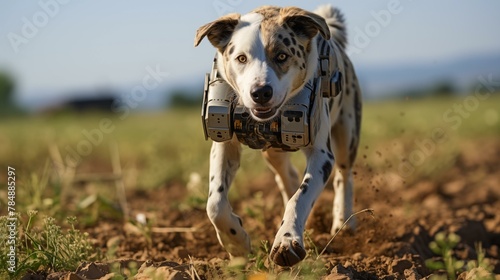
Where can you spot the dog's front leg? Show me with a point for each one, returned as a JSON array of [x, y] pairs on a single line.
[[288, 248], [224, 162]]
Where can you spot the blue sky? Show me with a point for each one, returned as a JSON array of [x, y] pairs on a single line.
[[91, 44]]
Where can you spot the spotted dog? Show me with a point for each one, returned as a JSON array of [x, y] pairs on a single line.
[[267, 56]]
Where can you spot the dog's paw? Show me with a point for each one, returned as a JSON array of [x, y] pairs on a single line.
[[288, 251]]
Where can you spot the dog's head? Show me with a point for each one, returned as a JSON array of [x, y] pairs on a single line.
[[267, 56]]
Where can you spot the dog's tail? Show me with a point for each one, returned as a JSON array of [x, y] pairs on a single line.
[[335, 20]]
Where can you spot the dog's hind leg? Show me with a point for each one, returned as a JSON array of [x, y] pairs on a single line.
[[286, 175], [224, 162], [345, 144]]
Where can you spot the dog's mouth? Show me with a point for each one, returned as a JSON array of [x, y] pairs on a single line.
[[264, 113]]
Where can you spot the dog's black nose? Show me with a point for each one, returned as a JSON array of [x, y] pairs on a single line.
[[262, 94]]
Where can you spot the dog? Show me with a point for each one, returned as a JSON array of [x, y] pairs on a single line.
[[267, 56]]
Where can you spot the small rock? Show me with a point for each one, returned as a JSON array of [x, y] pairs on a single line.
[[337, 276], [181, 253], [358, 256], [92, 270], [72, 276], [163, 272], [339, 272], [399, 266], [109, 276], [412, 274], [453, 188]]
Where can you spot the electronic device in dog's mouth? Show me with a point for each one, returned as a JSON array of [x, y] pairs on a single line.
[[293, 128]]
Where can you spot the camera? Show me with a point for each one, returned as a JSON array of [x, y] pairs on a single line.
[[294, 127]]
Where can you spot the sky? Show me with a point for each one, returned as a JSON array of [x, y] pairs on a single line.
[[59, 46]]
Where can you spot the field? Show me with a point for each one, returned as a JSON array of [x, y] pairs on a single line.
[[137, 185]]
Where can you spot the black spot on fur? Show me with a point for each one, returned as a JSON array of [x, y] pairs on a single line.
[[301, 48], [329, 144], [280, 36], [330, 156], [299, 55], [351, 145], [323, 151], [209, 193], [233, 231], [294, 41], [292, 50], [304, 187], [287, 42], [282, 222], [241, 222], [212, 178], [231, 50], [220, 189], [341, 112], [327, 169], [342, 166], [303, 65], [287, 234], [306, 180]]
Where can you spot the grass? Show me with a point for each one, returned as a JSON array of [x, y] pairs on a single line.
[[47, 248], [170, 145], [157, 148], [443, 246]]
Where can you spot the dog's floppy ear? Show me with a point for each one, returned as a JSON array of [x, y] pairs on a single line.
[[305, 23], [219, 31]]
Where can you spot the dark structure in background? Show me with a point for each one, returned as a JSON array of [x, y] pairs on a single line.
[[94, 103]]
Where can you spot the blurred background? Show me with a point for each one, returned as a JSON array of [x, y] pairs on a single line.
[[63, 53]]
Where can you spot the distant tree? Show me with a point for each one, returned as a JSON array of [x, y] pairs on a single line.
[[443, 88], [7, 86]]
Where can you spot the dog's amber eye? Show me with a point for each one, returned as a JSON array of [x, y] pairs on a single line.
[[242, 58], [282, 57]]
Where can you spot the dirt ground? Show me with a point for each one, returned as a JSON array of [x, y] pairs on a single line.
[[391, 245]]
